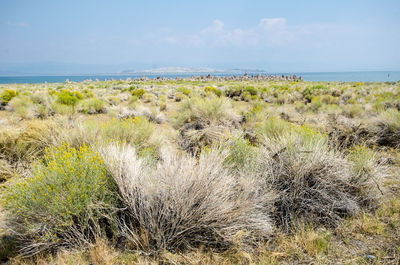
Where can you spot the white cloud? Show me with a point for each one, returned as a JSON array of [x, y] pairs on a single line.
[[273, 24], [171, 40], [275, 30], [216, 27], [17, 24], [268, 32]]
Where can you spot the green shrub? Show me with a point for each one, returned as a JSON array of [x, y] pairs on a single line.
[[62, 109], [211, 89], [179, 96], [162, 105], [352, 110], [136, 131], [138, 92], [69, 98], [309, 92], [23, 106], [328, 99], [87, 93], [148, 97], [241, 155], [62, 203], [244, 92], [274, 127], [316, 103], [7, 95], [233, 92], [113, 100], [184, 90], [92, 106], [252, 90]]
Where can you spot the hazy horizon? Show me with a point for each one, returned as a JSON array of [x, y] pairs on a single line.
[[49, 37]]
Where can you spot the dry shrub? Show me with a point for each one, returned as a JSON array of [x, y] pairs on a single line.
[[383, 130], [6, 170], [204, 121], [101, 253], [27, 140], [194, 136], [387, 129], [182, 203], [23, 106], [214, 110], [367, 171], [314, 183], [345, 132]]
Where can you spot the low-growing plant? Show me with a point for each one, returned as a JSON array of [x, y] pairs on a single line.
[[273, 127], [68, 97], [184, 90], [179, 96], [62, 109], [210, 110], [138, 92], [23, 106], [316, 103], [7, 95], [92, 106], [136, 131], [214, 90], [241, 156], [63, 203], [352, 110], [148, 98], [367, 172], [251, 90], [28, 140]]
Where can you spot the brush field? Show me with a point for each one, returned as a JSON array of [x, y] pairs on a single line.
[[200, 172]]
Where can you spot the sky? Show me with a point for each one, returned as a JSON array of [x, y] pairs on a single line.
[[276, 36]]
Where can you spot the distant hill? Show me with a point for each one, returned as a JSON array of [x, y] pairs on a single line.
[[183, 70]]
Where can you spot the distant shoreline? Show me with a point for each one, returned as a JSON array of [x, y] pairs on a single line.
[[367, 76]]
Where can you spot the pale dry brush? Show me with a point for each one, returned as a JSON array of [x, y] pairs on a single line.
[[182, 203]]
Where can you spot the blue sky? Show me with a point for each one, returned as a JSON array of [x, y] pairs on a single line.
[[276, 36]]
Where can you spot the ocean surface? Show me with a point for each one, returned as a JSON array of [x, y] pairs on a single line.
[[372, 76]]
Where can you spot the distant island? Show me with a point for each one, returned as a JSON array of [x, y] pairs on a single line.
[[196, 70]]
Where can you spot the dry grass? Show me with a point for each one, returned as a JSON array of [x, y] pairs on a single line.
[[184, 203], [203, 122], [315, 184]]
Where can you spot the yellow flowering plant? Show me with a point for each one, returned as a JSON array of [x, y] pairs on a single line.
[[64, 199]]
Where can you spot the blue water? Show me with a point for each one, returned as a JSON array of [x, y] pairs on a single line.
[[372, 76]]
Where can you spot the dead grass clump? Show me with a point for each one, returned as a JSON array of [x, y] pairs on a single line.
[[28, 140], [387, 129], [214, 110], [183, 203], [6, 170], [344, 132], [204, 121], [314, 183], [194, 136]]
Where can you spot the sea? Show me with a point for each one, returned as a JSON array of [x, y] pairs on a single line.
[[370, 76]]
